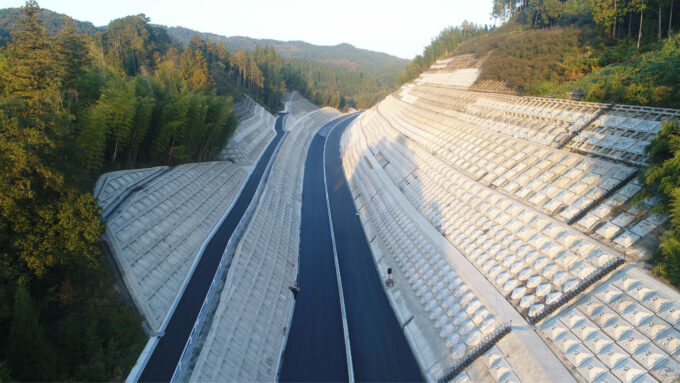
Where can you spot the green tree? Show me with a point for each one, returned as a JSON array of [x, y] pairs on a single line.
[[194, 69], [73, 56], [92, 139], [662, 178], [29, 354], [32, 71], [639, 6], [129, 43], [118, 100]]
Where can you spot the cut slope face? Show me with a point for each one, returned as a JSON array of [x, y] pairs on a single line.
[[297, 108], [626, 328], [159, 218], [112, 188], [253, 134], [534, 194], [156, 233], [574, 161]]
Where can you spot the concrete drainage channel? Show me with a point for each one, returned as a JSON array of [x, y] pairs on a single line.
[[164, 357]]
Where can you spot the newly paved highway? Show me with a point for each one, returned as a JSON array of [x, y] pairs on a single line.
[[380, 351], [163, 361], [315, 351]]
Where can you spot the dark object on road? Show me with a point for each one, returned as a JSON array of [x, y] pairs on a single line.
[[295, 291]]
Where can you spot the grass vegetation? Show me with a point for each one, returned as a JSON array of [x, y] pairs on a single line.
[[587, 49], [626, 76], [527, 58]]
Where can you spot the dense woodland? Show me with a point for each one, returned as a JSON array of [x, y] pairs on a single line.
[[374, 64], [71, 106], [349, 77]]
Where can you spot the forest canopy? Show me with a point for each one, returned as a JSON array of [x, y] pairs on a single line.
[[622, 51]]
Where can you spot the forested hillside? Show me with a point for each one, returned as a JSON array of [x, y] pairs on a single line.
[[52, 21], [340, 76], [61, 317], [606, 51], [377, 64]]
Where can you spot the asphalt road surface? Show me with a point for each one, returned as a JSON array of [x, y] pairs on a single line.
[[315, 351], [162, 363], [379, 348]]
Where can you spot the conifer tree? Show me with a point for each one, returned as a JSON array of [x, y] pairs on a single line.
[[32, 68], [73, 56]]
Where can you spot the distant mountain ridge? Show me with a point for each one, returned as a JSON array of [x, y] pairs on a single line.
[[378, 64], [53, 21], [346, 55]]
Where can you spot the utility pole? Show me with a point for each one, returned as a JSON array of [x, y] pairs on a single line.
[[659, 36], [670, 20], [642, 10]]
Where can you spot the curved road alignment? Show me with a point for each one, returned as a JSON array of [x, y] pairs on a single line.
[[164, 358], [345, 327], [316, 349], [379, 348]]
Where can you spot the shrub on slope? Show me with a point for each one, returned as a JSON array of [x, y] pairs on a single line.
[[651, 78], [525, 58]]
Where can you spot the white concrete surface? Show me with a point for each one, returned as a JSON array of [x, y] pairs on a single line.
[[531, 258], [253, 133], [113, 187], [245, 340], [460, 77], [560, 183], [297, 107], [449, 317], [626, 328], [490, 181], [156, 233]]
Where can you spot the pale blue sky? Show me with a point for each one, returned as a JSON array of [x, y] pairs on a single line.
[[399, 27]]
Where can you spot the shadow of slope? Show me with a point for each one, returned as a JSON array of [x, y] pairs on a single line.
[[380, 351]]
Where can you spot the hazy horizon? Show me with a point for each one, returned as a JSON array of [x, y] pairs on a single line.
[[375, 26]]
